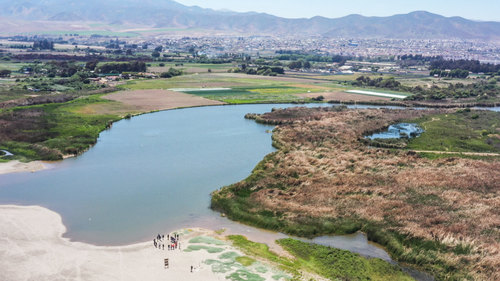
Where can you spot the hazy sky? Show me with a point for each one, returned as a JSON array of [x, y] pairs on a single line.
[[471, 9]]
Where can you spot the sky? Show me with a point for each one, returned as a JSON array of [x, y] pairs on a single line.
[[471, 9]]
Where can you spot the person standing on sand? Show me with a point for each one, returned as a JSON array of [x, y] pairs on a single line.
[[191, 268]]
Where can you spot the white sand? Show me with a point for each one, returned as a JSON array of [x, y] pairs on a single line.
[[32, 248], [16, 166]]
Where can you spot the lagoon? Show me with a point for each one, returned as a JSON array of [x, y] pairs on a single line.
[[154, 173]]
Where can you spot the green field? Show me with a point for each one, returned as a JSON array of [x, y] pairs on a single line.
[[238, 95], [464, 131], [257, 89], [12, 66]]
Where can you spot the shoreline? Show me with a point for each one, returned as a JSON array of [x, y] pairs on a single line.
[[16, 166], [35, 249]]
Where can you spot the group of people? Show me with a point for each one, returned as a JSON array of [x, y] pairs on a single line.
[[172, 242]]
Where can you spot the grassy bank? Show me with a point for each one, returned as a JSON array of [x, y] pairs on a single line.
[[430, 214], [49, 131], [334, 264], [454, 134], [421, 253], [463, 131]]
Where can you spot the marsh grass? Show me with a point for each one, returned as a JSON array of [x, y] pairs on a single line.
[[49, 131], [436, 215], [463, 131]]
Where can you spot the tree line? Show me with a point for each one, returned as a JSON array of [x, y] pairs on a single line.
[[119, 67], [261, 70], [43, 45], [474, 66], [455, 73], [479, 90]]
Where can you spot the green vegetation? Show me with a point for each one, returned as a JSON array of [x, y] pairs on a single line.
[[136, 66], [463, 131], [458, 134], [245, 261], [49, 131], [242, 90], [434, 156], [331, 263], [456, 73], [239, 95], [262, 251], [43, 45], [206, 240], [466, 65], [276, 181], [172, 72], [261, 70], [340, 264], [241, 268], [402, 247], [211, 250], [480, 91]]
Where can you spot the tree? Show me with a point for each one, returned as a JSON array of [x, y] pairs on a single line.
[[155, 54], [43, 45], [295, 65], [114, 67], [171, 73], [5, 73], [91, 65]]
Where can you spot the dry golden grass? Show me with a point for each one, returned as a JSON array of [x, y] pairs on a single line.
[[150, 100], [323, 170]]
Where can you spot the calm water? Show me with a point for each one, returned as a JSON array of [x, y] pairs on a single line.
[[396, 131], [154, 173], [151, 173]]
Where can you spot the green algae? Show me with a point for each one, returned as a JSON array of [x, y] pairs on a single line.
[[211, 250], [207, 240]]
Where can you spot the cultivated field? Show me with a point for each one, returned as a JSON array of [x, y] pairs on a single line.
[[151, 100]]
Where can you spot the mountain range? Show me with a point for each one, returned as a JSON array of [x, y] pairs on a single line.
[[170, 14]]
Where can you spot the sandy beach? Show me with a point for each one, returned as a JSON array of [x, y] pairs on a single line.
[[32, 247], [16, 166]]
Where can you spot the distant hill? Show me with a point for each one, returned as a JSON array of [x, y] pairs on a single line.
[[167, 13]]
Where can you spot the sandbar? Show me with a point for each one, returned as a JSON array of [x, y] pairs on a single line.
[[32, 247]]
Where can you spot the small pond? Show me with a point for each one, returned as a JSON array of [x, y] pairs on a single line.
[[398, 131]]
